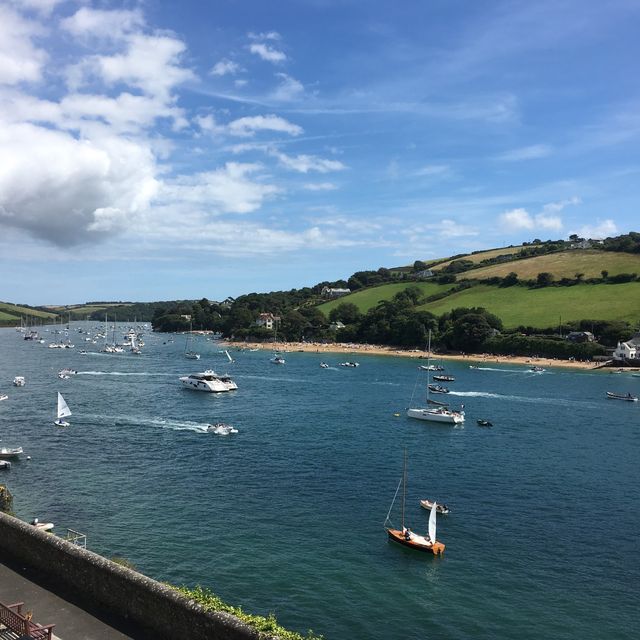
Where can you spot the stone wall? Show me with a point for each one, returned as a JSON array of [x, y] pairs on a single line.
[[125, 593]]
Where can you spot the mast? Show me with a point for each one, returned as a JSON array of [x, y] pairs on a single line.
[[428, 365], [404, 486]]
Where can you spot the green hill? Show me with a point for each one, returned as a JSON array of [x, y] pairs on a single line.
[[11, 313], [543, 308], [367, 298], [564, 264]]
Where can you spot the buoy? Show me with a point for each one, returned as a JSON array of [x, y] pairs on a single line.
[[28, 457]]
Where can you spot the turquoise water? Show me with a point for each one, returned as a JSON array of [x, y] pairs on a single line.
[[287, 515]]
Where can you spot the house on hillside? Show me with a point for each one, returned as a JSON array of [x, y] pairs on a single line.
[[580, 336], [329, 292], [267, 320], [335, 326], [425, 273], [583, 244], [227, 302], [629, 350]]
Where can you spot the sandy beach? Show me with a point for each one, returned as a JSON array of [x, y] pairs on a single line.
[[354, 349]]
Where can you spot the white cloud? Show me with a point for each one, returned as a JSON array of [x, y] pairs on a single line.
[[44, 7], [519, 219], [225, 67], [99, 23], [526, 153], [305, 163], [20, 60], [267, 53], [288, 89], [433, 170], [269, 35], [603, 229], [554, 207], [320, 186], [248, 126]]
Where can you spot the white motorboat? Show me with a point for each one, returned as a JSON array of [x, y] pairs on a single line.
[[349, 364], [277, 359], [428, 505], [19, 381], [67, 372], [221, 429], [208, 381], [5, 464], [3, 396], [10, 452], [324, 365], [63, 411], [42, 526]]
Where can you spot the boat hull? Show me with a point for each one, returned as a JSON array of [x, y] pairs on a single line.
[[416, 542], [433, 415]]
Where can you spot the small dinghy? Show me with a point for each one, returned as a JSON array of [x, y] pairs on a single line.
[[63, 412], [438, 388], [440, 508], [42, 526], [484, 423]]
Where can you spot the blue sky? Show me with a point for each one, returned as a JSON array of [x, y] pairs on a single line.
[[160, 150]]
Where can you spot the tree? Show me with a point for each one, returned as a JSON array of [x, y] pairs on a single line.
[[418, 265], [345, 312], [469, 332], [510, 279], [544, 279], [605, 274]]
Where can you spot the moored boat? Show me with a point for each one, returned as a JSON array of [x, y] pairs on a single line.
[[444, 378], [428, 505], [19, 381], [10, 452], [622, 396]]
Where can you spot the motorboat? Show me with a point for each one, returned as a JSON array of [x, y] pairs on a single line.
[[440, 508], [431, 367], [324, 365], [19, 381], [537, 369], [10, 452], [444, 378], [67, 372], [5, 464], [622, 396], [277, 359], [208, 381], [63, 376], [3, 396], [437, 388], [221, 429], [484, 423], [42, 526], [349, 364]]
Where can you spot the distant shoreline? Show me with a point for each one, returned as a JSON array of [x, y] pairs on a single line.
[[353, 349]]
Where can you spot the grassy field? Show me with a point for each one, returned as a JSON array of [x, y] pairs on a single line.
[[15, 311], [543, 307], [367, 298], [565, 265], [483, 255]]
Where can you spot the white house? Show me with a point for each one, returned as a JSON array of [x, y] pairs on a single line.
[[267, 320], [329, 292], [335, 326], [629, 350], [425, 273]]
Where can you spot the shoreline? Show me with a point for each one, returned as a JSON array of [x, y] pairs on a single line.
[[377, 350]]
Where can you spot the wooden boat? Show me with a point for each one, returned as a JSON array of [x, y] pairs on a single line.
[[440, 508], [444, 378], [404, 535], [622, 396]]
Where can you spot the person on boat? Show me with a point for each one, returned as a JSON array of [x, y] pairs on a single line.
[[34, 522], [407, 534]]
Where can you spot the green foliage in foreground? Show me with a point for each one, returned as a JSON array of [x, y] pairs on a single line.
[[266, 626]]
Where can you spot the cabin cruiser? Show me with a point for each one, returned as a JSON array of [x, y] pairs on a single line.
[[10, 452], [19, 381], [209, 381]]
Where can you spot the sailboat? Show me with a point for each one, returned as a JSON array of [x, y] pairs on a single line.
[[229, 358], [438, 413], [189, 353], [277, 358], [63, 412], [405, 536]]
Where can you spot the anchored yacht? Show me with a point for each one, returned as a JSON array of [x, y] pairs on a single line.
[[209, 381]]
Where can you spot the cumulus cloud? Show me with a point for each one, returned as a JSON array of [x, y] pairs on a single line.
[[554, 207], [288, 89], [249, 125], [305, 163], [267, 53], [20, 59], [114, 24], [225, 67], [603, 229], [520, 219]]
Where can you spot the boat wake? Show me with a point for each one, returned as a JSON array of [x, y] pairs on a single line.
[[499, 396], [123, 373], [163, 423]]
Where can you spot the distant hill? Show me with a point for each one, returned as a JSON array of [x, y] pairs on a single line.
[[10, 314]]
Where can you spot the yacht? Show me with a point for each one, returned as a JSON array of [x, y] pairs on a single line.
[[19, 381], [209, 381]]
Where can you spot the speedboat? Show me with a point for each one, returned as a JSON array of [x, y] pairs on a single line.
[[537, 369], [444, 378], [208, 381], [67, 372], [431, 367], [277, 359], [349, 364], [63, 376], [221, 429], [438, 388], [5, 464], [440, 508], [3, 396], [324, 365], [19, 381], [622, 396], [484, 423], [10, 452]]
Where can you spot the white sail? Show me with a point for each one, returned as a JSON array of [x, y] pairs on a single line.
[[228, 356], [63, 408], [432, 523]]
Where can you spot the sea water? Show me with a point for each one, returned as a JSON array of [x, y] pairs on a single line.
[[287, 515]]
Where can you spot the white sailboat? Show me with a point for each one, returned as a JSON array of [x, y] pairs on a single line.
[[229, 358], [189, 353], [433, 413], [63, 412]]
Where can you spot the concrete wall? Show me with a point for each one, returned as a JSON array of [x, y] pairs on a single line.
[[124, 592]]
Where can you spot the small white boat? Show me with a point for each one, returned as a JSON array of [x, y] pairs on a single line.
[[10, 452], [277, 359], [428, 505], [349, 364], [537, 369], [5, 464], [19, 381], [42, 526], [3, 396], [324, 365], [221, 429], [63, 412], [67, 372]]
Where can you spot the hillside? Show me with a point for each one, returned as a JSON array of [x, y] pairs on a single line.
[[543, 308], [564, 264], [11, 313], [481, 255]]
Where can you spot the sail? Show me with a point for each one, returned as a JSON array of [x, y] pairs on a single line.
[[432, 523], [228, 356], [63, 408]]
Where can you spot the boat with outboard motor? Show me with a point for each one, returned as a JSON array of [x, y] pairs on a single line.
[[19, 381], [484, 423], [221, 429], [437, 388], [10, 452], [440, 508], [622, 396]]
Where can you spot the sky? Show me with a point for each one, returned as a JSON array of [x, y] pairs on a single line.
[[157, 150]]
